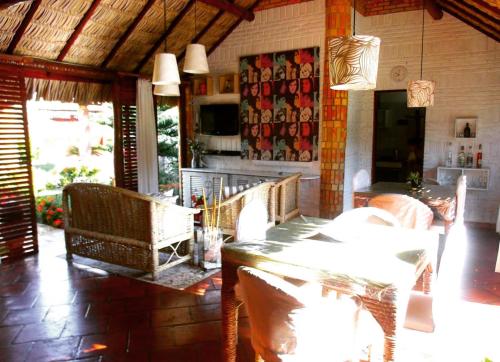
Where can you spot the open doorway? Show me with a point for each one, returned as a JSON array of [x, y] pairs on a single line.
[[168, 148], [398, 141]]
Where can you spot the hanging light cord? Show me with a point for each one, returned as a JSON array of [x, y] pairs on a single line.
[[354, 21], [165, 24], [422, 44]]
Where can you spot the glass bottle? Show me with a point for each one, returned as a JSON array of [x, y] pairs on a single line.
[[461, 157], [449, 156], [469, 158], [479, 157], [467, 131]]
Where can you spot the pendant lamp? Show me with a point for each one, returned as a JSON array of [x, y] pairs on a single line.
[[353, 61], [165, 69], [420, 93], [196, 61], [169, 90]]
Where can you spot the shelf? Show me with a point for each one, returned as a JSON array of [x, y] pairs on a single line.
[[229, 83], [203, 86], [477, 178], [460, 124]]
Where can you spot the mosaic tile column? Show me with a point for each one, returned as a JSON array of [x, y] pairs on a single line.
[[334, 121]]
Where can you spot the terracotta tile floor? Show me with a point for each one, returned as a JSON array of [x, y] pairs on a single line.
[[52, 310]]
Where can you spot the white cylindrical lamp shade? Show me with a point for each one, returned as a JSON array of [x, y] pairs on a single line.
[[420, 93], [165, 69], [353, 62], [169, 90], [196, 59]]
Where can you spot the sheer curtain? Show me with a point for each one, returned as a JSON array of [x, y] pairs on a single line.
[[147, 157]]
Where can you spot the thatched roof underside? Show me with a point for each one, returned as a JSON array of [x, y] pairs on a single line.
[[54, 22]]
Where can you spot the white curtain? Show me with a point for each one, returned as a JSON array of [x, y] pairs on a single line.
[[147, 157]]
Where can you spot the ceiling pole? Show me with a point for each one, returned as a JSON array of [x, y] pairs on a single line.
[[231, 8], [127, 33], [78, 30], [203, 31], [24, 25], [230, 30], [165, 35]]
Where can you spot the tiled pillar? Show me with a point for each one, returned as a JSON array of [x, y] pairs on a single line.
[[334, 122]]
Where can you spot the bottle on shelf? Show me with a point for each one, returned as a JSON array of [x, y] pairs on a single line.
[[479, 157], [467, 131], [461, 157], [449, 156], [469, 160]]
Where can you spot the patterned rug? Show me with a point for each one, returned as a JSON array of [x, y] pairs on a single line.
[[180, 276]]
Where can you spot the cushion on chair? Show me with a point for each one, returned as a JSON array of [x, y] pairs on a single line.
[[419, 313], [287, 324], [252, 222], [410, 212]]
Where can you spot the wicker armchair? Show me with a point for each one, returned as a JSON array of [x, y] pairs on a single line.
[[230, 208], [287, 192], [123, 227]]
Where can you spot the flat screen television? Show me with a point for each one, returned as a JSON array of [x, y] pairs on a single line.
[[219, 119]]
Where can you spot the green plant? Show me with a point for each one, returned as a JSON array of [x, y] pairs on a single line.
[[72, 174], [414, 179], [49, 211], [196, 146]]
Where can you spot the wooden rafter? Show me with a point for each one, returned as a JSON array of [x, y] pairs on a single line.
[[24, 25], [202, 32], [433, 9], [165, 35], [9, 3], [78, 30], [232, 8], [230, 30], [127, 33]]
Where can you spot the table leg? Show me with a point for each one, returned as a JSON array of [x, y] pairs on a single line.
[[229, 307], [390, 315]]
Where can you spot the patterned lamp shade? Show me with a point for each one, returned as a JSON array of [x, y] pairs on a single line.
[[420, 93], [165, 70], [196, 59], [169, 90], [353, 62]]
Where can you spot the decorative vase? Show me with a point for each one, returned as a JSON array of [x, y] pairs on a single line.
[[196, 161]]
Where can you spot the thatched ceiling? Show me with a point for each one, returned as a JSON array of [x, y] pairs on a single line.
[[120, 35]]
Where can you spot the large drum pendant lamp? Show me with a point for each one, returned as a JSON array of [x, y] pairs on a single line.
[[196, 61], [353, 60], [420, 93], [165, 69], [169, 90]]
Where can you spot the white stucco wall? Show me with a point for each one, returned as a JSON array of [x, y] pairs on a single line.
[[466, 67]]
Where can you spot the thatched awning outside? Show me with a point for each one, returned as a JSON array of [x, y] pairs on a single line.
[[82, 93]]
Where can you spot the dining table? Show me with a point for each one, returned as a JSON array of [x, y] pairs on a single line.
[[441, 199], [377, 264]]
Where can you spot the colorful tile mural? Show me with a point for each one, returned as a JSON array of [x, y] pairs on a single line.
[[279, 111]]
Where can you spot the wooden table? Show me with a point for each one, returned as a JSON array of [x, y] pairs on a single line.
[[440, 198], [378, 264]]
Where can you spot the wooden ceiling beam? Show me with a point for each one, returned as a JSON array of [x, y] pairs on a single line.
[[127, 33], [231, 29], [24, 25], [433, 9], [78, 30], [231, 8], [164, 36], [9, 3], [203, 31]]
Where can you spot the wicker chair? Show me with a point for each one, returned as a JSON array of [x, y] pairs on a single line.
[[287, 192], [123, 227], [230, 208]]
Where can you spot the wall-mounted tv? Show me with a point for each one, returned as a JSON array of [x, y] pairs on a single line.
[[219, 119]]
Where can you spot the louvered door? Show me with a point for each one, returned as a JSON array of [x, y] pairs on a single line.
[[18, 232], [124, 103]]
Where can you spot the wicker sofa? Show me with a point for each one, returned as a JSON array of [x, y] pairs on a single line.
[[123, 227]]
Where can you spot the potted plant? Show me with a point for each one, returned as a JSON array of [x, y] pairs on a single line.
[[414, 180], [196, 148]]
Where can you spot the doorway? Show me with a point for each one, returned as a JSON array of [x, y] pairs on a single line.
[[398, 140]]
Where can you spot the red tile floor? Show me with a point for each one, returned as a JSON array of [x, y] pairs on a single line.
[[51, 310]]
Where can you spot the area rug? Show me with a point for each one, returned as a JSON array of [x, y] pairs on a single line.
[[179, 277]]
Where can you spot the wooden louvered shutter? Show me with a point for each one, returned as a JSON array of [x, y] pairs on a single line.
[[18, 232], [124, 103]]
